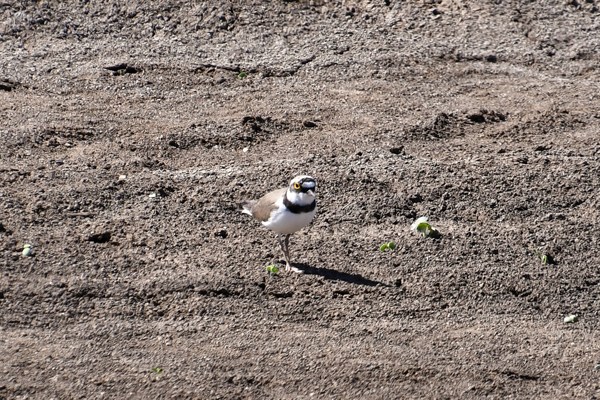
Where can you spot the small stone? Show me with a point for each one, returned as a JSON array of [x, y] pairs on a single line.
[[569, 319], [477, 118], [245, 149], [415, 198], [222, 233], [102, 237], [309, 124], [27, 250], [522, 160], [8, 85], [122, 177]]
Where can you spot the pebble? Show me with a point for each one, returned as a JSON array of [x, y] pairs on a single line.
[[27, 250], [569, 319]]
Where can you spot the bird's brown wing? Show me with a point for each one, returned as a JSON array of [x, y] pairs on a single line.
[[261, 210]]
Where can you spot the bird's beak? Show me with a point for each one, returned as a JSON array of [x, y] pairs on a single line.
[[310, 192]]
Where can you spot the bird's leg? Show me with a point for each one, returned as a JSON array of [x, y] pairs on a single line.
[[282, 244], [285, 246], [288, 266]]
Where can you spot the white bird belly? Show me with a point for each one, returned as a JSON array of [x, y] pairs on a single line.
[[286, 222]]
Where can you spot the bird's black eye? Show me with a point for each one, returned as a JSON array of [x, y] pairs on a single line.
[[296, 186]]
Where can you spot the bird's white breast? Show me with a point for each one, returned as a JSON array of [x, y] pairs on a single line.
[[286, 222]]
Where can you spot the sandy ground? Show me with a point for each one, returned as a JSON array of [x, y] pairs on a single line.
[[131, 131]]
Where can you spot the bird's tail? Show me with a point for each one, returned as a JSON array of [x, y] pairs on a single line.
[[247, 205]]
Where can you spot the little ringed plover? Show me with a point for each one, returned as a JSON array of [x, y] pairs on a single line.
[[285, 211]]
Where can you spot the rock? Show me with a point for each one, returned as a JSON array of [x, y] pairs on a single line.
[[478, 118], [415, 198], [222, 233], [27, 250], [8, 85], [100, 237]]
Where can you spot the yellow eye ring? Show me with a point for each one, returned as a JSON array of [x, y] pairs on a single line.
[[296, 186]]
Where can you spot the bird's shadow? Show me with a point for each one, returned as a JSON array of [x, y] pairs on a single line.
[[333, 275]]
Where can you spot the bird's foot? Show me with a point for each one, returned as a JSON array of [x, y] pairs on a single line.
[[289, 267]]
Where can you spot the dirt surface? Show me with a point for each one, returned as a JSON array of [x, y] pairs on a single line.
[[131, 130]]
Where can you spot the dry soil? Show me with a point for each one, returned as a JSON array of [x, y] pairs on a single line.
[[129, 132]]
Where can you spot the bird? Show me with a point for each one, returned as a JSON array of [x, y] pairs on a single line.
[[286, 211]]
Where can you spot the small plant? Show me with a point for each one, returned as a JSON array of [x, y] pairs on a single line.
[[242, 74], [157, 370], [389, 246], [272, 269], [422, 226], [545, 258], [156, 374]]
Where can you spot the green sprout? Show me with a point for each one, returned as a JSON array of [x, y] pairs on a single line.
[[545, 258], [157, 370], [422, 226], [389, 246], [272, 269], [242, 74], [572, 318]]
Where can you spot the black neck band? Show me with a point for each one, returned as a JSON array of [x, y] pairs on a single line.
[[297, 209]]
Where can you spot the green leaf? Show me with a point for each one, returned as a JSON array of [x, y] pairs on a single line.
[[423, 227], [157, 370], [242, 74], [272, 269], [545, 258], [387, 246], [427, 230]]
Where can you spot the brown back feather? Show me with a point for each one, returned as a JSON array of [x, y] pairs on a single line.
[[261, 210]]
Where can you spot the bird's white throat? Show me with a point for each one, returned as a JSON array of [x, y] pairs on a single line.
[[300, 198]]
